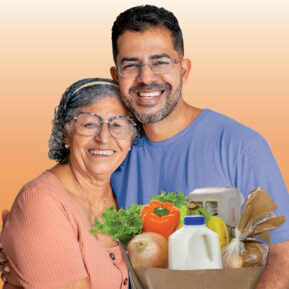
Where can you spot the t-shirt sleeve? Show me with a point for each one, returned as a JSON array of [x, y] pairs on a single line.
[[257, 167], [41, 243]]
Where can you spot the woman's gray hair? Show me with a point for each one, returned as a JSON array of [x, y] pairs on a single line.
[[80, 94]]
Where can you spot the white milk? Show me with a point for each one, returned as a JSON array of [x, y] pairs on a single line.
[[194, 246]]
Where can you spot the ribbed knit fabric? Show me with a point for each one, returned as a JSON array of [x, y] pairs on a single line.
[[48, 245]]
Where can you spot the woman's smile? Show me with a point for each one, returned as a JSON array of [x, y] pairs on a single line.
[[101, 152]]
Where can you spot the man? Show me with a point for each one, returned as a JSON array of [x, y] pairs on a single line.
[[185, 147]]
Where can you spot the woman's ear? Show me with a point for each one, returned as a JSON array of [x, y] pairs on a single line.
[[67, 142], [113, 73], [66, 136]]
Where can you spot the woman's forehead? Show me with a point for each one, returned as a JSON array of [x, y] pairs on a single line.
[[107, 105]]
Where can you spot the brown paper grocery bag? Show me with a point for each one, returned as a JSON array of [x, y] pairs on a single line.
[[157, 278], [241, 278]]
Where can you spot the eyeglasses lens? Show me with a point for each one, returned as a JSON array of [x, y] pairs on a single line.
[[121, 128], [88, 125]]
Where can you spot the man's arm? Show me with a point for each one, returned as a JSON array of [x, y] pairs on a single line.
[[276, 274], [257, 167]]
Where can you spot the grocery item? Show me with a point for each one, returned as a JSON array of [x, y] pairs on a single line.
[[256, 220], [159, 217], [148, 250], [214, 223], [194, 246], [123, 225], [178, 199], [224, 202]]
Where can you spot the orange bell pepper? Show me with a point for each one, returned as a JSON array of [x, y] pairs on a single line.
[[161, 218]]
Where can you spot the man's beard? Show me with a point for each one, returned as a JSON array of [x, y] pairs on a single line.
[[172, 100]]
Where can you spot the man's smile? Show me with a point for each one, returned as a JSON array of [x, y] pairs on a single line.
[[150, 94]]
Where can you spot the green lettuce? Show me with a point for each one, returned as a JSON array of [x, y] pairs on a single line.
[[123, 225]]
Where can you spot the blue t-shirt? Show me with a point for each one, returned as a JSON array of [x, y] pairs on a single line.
[[213, 151]]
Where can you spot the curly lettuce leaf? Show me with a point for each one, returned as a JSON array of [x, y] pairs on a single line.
[[123, 225], [177, 199]]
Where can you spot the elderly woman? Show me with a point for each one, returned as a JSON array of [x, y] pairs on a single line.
[[46, 236]]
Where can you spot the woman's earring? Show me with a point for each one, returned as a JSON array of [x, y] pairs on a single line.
[[66, 146]]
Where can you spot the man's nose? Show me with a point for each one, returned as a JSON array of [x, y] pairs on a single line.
[[146, 75]]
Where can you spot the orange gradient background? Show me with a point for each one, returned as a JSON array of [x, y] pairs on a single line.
[[240, 67]]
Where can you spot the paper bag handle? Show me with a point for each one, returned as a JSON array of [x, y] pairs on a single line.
[[135, 283], [265, 236]]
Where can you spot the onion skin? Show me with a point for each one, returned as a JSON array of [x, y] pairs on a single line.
[[148, 250]]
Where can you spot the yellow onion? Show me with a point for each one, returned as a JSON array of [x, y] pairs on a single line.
[[148, 250]]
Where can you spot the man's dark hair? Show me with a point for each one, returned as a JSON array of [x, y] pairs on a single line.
[[141, 18]]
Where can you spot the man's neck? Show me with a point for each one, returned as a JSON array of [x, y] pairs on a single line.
[[180, 118]]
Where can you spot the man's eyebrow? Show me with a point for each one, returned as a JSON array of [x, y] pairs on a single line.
[[129, 59], [158, 56]]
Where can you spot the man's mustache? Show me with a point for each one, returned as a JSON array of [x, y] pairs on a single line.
[[151, 86]]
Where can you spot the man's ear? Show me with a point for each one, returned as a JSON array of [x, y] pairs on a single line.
[[186, 68], [113, 73]]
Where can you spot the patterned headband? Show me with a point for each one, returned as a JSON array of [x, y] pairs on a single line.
[[96, 82]]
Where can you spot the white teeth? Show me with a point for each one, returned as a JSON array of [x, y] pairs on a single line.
[[102, 152], [150, 94]]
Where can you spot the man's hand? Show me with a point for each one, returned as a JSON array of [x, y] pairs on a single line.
[[276, 274], [4, 269]]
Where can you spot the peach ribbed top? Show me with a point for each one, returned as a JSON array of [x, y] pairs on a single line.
[[48, 245]]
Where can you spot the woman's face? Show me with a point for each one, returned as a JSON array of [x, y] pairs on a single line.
[[100, 154]]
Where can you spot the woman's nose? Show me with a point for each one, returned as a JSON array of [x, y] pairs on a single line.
[[104, 134]]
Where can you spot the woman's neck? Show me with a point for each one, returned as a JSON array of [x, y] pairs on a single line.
[[95, 189]]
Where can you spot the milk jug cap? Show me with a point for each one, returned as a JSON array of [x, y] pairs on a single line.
[[194, 220]]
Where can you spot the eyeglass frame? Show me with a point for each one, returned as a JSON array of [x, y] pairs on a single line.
[[140, 65], [105, 121]]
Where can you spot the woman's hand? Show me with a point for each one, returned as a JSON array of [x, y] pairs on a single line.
[[4, 268]]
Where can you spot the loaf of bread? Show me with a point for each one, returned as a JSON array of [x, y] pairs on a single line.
[[252, 254]]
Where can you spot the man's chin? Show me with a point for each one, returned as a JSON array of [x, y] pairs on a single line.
[[145, 105], [150, 118], [148, 112]]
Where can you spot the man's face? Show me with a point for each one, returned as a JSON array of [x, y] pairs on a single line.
[[151, 97]]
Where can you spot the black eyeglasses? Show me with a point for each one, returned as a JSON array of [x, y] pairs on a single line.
[[90, 124]]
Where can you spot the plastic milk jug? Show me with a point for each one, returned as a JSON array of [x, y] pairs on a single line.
[[194, 246]]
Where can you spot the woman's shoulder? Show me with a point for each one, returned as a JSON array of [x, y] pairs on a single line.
[[43, 200], [46, 184], [40, 194], [45, 180]]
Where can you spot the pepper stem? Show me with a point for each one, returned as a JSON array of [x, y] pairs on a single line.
[[161, 211]]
